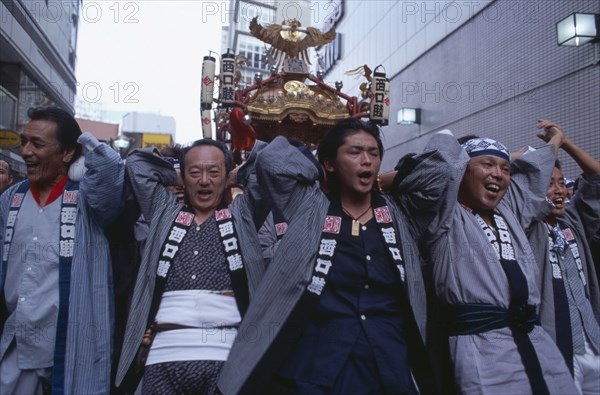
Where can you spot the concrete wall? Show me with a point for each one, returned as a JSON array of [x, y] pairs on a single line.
[[38, 36], [498, 74], [391, 33]]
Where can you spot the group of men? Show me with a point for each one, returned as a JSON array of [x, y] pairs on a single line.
[[371, 280]]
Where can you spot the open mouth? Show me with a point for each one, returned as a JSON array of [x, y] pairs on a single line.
[[203, 194], [365, 177], [495, 188], [558, 201], [31, 165]]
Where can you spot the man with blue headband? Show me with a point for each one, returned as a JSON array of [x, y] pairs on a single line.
[[487, 176], [483, 269]]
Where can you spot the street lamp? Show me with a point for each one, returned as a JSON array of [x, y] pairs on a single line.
[[577, 29], [409, 116]]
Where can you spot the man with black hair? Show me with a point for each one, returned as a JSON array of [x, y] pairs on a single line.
[[484, 272], [570, 308], [341, 307], [201, 264], [55, 278]]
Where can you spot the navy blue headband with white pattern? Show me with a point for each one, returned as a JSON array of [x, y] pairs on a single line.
[[483, 146]]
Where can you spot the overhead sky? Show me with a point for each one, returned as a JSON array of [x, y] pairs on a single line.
[[147, 55]]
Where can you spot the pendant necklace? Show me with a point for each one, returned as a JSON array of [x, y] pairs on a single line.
[[355, 223]]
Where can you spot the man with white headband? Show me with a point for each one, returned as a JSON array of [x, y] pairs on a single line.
[[484, 272], [570, 309]]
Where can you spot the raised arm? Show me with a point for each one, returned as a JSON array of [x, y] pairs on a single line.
[[585, 204], [531, 172], [586, 162], [286, 175], [268, 239], [426, 186], [552, 134], [254, 195], [148, 176], [103, 182]]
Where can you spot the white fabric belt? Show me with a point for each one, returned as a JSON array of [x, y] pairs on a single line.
[[205, 311], [198, 308]]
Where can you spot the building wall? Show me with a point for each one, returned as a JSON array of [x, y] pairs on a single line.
[[238, 38], [101, 130], [498, 74], [237, 34], [476, 67], [38, 40], [391, 33], [40, 37], [148, 123]]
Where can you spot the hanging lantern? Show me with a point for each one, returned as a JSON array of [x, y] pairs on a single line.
[[227, 88], [208, 83], [379, 108], [206, 124]]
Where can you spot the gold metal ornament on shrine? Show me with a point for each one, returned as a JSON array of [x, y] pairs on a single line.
[[291, 101]]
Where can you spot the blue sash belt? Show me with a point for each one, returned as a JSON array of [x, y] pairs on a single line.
[[473, 318]]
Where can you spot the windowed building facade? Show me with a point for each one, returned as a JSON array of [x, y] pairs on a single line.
[[237, 37], [38, 41], [491, 68]]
